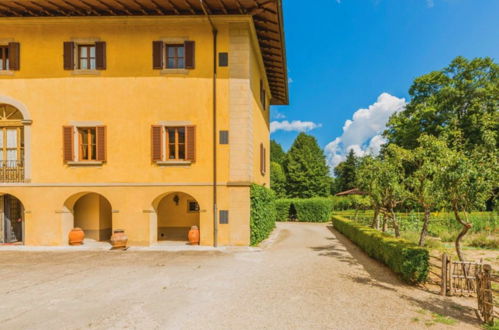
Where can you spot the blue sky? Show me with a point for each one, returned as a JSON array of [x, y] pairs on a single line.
[[363, 54]]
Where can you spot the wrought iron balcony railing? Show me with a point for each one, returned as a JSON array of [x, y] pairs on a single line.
[[11, 171]]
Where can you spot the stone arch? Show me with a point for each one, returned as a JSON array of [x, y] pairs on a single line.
[[90, 211], [12, 219], [176, 212]]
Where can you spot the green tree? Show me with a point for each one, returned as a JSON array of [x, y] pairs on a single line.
[[384, 180], [277, 154], [306, 171], [277, 179], [467, 184], [425, 163], [346, 172], [458, 104]]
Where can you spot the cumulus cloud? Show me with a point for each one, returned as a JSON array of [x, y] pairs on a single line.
[[362, 133], [295, 125]]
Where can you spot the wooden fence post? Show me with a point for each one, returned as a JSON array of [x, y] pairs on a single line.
[[443, 284], [451, 279]]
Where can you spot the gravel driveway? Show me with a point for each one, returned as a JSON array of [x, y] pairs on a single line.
[[309, 277]]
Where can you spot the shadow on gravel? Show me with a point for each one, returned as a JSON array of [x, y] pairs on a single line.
[[342, 249], [379, 275], [443, 306]]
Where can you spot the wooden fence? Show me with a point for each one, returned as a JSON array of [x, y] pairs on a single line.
[[466, 279]]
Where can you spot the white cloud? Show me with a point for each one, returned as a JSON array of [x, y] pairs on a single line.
[[295, 125], [362, 133]]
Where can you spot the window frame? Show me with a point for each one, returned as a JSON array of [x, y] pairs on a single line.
[[176, 143], [88, 58], [89, 144], [4, 57], [197, 208], [176, 57]]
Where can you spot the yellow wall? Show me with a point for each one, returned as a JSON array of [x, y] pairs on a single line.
[[128, 98]]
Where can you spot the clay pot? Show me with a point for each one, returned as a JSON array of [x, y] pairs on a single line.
[[76, 236], [193, 235], [119, 239]]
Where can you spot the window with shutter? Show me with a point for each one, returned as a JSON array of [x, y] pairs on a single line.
[[91, 142], [178, 143], [4, 58], [263, 160]]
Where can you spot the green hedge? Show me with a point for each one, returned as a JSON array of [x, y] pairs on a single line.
[[263, 213], [283, 208], [406, 259], [315, 209]]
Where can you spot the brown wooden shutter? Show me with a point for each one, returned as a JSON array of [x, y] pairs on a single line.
[[100, 55], [262, 159], [69, 55], [14, 56], [190, 138], [157, 55], [189, 54], [156, 143], [101, 143], [67, 143]]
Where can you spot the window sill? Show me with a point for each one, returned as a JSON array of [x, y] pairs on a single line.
[[85, 72], [6, 73], [174, 163], [84, 163], [174, 71]]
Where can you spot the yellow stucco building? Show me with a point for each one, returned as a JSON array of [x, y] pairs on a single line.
[[147, 116]]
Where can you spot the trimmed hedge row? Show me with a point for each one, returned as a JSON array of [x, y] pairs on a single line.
[[408, 260], [315, 209], [262, 214]]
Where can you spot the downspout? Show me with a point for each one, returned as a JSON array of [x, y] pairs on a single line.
[[215, 207]]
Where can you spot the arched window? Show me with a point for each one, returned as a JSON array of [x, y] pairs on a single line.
[[11, 144]]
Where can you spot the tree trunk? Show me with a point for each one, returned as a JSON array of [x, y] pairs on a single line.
[[395, 223], [466, 227], [424, 231], [384, 222], [375, 223]]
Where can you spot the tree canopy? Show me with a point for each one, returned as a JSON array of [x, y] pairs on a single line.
[[277, 154], [346, 172], [306, 170]]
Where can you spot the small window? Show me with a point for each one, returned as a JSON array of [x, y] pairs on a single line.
[[4, 57], [87, 141], [175, 144], [192, 206], [86, 57], [175, 56]]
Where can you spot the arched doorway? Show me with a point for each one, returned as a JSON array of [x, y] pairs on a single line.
[[92, 212], [12, 147], [177, 212], [12, 222]]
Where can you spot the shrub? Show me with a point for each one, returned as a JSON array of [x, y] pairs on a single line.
[[484, 241], [283, 209], [313, 209], [404, 258], [263, 214]]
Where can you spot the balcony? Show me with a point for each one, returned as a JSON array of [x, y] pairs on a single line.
[[11, 171]]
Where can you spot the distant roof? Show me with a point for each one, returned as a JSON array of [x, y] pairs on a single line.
[[353, 191], [267, 17]]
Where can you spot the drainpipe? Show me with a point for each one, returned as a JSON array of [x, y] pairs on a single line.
[[215, 208]]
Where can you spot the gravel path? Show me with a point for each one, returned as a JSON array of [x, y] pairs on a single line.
[[309, 277]]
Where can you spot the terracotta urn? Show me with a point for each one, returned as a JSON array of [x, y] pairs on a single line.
[[76, 236], [193, 235], [119, 239]]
